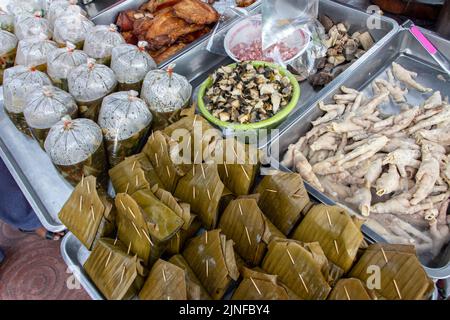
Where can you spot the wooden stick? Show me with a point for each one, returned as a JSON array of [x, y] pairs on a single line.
[[254, 284], [248, 235], [164, 275], [303, 282], [168, 171], [123, 274], [156, 159], [207, 268], [129, 248], [127, 187], [193, 170], [240, 209], [82, 181], [271, 190], [384, 255], [209, 194], [290, 256], [226, 169], [134, 166], [81, 203], [107, 260], [329, 218], [115, 241], [245, 172], [206, 237], [346, 293], [131, 211], [193, 192], [137, 180], [123, 206], [137, 230], [148, 238], [92, 213], [397, 289], [88, 187], [336, 246], [203, 171]]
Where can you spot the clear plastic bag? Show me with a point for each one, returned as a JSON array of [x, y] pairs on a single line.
[[89, 83], [61, 61], [34, 51], [19, 82], [131, 64], [44, 107], [60, 8], [8, 48], [31, 25], [72, 28], [6, 21], [166, 93], [125, 121], [76, 149], [19, 7], [100, 42]]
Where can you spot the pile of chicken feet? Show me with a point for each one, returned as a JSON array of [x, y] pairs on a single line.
[[394, 168]]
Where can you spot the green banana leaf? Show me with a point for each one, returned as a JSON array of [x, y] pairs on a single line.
[[283, 197], [115, 273], [195, 290], [165, 281], [301, 267], [349, 289], [211, 257], [401, 275], [339, 234], [177, 243], [133, 174], [245, 224]]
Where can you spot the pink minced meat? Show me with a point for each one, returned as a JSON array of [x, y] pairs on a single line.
[[253, 51]]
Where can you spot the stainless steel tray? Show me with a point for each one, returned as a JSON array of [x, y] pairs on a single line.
[[402, 48]]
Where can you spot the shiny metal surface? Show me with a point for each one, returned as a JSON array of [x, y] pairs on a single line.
[[402, 48]]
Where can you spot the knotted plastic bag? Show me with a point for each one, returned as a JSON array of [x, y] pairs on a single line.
[[125, 120], [131, 64], [73, 28], [61, 8], [6, 21], [44, 107], [8, 45], [89, 83], [19, 82], [19, 7], [61, 61], [34, 51], [30, 25], [100, 42], [76, 148]]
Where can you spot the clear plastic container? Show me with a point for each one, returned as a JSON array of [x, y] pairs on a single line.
[[61, 61], [60, 8], [100, 42], [76, 148], [131, 64], [8, 46], [19, 7], [34, 52], [166, 93], [44, 107], [125, 121], [19, 82], [6, 21], [31, 25], [72, 28], [89, 83]]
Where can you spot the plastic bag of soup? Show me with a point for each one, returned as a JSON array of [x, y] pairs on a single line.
[[34, 51], [125, 121], [19, 7], [100, 42], [73, 28], [166, 93], [130, 64], [44, 107], [31, 25], [76, 149], [61, 61], [61, 8], [6, 21], [19, 82], [8, 45], [89, 83]]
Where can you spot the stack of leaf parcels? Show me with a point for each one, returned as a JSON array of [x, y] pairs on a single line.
[[244, 223], [88, 213], [349, 289], [117, 274], [283, 197], [211, 257]]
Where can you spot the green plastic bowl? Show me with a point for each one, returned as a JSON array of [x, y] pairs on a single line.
[[264, 124]]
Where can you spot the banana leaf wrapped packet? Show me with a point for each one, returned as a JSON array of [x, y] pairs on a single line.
[[211, 257], [88, 213], [349, 289], [8, 47], [125, 121], [30, 25], [338, 233], [18, 83], [203, 189], [400, 276], [165, 281], [60, 8], [100, 41], [115, 273], [133, 174], [301, 267], [61, 61], [245, 224], [257, 285], [73, 28], [130, 64], [283, 198], [166, 93], [44, 107], [89, 83], [146, 224], [195, 290], [6, 21], [33, 51], [76, 148]]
